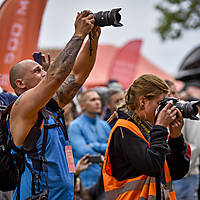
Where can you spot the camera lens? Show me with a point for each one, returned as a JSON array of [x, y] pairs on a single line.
[[188, 109], [108, 18]]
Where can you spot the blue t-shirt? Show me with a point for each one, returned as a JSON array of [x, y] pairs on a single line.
[[88, 135], [60, 181]]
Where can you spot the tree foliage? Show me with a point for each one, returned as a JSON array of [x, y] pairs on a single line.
[[177, 16]]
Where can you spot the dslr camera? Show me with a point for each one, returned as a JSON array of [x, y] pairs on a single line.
[[108, 18], [188, 108]]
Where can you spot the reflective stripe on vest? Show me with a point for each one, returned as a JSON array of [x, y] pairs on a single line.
[[142, 187]]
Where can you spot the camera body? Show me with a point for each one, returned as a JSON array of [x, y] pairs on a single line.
[[108, 18], [188, 108], [95, 159]]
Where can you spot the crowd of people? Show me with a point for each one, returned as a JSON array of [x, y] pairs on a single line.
[[99, 143]]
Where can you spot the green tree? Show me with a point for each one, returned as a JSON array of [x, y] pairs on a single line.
[[177, 16]]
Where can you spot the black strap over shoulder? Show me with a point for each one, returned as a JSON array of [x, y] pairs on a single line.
[[44, 142], [45, 112], [53, 105], [33, 136], [29, 147], [58, 122], [39, 162]]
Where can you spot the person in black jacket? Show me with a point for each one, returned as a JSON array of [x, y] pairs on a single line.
[[134, 165]]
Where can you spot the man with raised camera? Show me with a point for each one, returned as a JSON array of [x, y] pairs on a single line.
[[49, 162]]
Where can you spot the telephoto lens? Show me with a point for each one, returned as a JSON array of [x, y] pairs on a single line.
[[108, 18]]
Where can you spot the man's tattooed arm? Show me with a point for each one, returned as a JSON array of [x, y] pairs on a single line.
[[67, 90], [81, 70], [64, 63]]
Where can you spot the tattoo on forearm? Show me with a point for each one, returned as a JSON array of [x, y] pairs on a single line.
[[68, 89], [65, 60]]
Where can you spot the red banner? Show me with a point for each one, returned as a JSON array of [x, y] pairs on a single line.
[[20, 22], [125, 63]]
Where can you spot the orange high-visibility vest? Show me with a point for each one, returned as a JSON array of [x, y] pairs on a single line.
[[142, 187]]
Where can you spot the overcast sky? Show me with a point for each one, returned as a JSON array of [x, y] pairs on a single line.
[[139, 18]]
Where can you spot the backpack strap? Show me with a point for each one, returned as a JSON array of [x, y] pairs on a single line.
[[44, 143], [19, 172], [36, 176], [58, 121], [46, 113], [47, 126], [18, 185], [53, 105]]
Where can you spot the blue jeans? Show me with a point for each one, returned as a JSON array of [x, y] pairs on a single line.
[[187, 188]]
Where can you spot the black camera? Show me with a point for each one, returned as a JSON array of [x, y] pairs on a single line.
[[188, 108], [108, 18]]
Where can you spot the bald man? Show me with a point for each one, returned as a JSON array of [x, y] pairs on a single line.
[[35, 89]]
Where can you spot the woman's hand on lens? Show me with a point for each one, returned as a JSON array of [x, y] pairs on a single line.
[[176, 125], [167, 115]]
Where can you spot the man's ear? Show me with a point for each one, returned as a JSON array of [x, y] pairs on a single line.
[[20, 83], [82, 105]]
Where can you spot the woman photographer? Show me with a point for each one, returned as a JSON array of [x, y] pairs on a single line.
[[142, 158]]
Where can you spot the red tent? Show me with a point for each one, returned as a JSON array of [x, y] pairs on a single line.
[[124, 64], [100, 73]]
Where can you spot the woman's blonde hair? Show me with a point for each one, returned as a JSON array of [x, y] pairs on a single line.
[[147, 85]]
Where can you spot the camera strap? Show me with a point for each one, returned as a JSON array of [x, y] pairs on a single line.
[[144, 127], [90, 37]]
